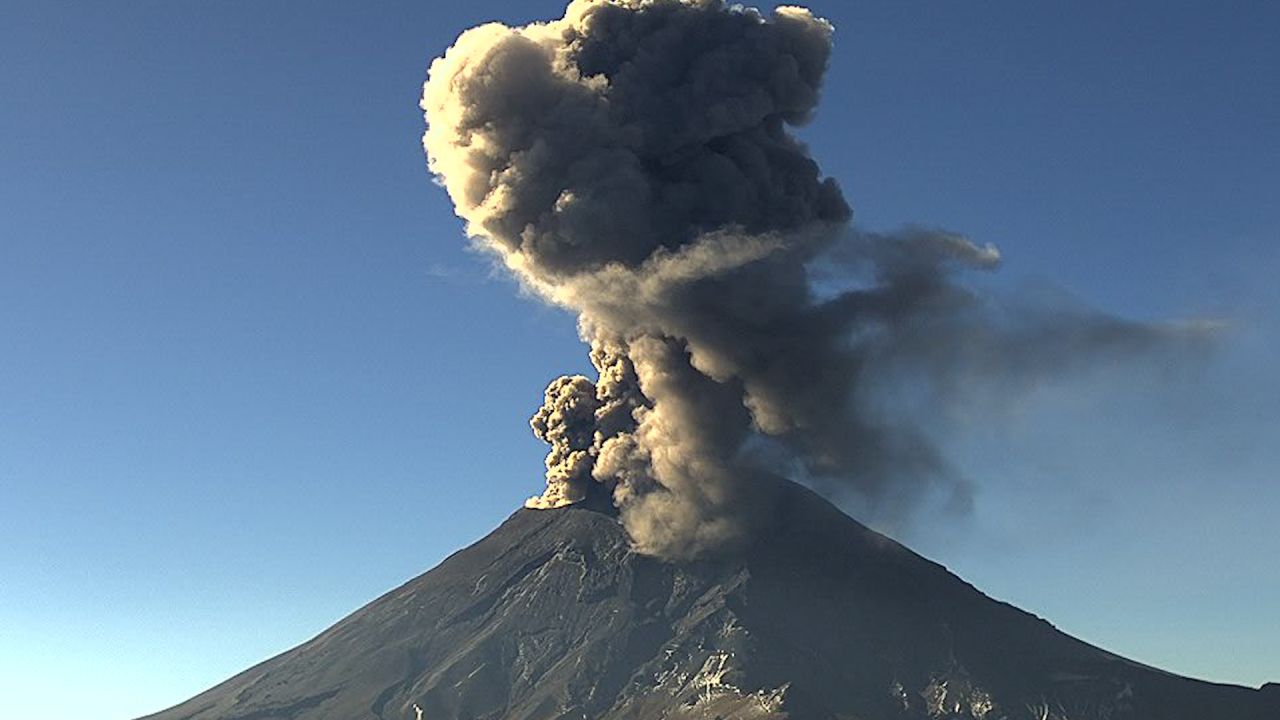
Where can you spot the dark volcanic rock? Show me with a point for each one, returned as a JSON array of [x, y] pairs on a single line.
[[551, 616]]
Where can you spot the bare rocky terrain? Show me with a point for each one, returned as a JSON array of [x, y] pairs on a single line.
[[551, 616]]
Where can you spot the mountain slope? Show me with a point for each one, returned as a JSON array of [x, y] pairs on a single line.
[[551, 616]]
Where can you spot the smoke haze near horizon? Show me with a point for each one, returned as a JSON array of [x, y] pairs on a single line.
[[633, 162]]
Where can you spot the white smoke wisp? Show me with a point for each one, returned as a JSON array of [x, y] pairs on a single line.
[[632, 162]]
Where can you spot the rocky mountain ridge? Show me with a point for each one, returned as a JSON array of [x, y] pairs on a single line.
[[552, 616]]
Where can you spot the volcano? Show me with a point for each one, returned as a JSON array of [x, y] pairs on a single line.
[[554, 616]]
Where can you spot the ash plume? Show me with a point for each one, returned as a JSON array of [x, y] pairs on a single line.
[[632, 162]]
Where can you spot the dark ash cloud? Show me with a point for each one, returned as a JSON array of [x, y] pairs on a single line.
[[632, 161]]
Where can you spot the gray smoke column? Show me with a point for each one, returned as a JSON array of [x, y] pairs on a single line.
[[632, 161]]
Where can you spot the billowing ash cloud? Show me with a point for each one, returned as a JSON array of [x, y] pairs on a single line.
[[632, 161]]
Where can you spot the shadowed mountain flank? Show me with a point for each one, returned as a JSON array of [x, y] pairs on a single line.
[[553, 616]]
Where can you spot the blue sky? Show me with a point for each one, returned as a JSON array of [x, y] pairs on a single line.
[[250, 376]]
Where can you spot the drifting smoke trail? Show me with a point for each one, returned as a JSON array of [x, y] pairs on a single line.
[[631, 161]]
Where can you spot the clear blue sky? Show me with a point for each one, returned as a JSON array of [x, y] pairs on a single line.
[[250, 378]]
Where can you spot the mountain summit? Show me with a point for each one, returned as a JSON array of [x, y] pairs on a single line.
[[553, 616]]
